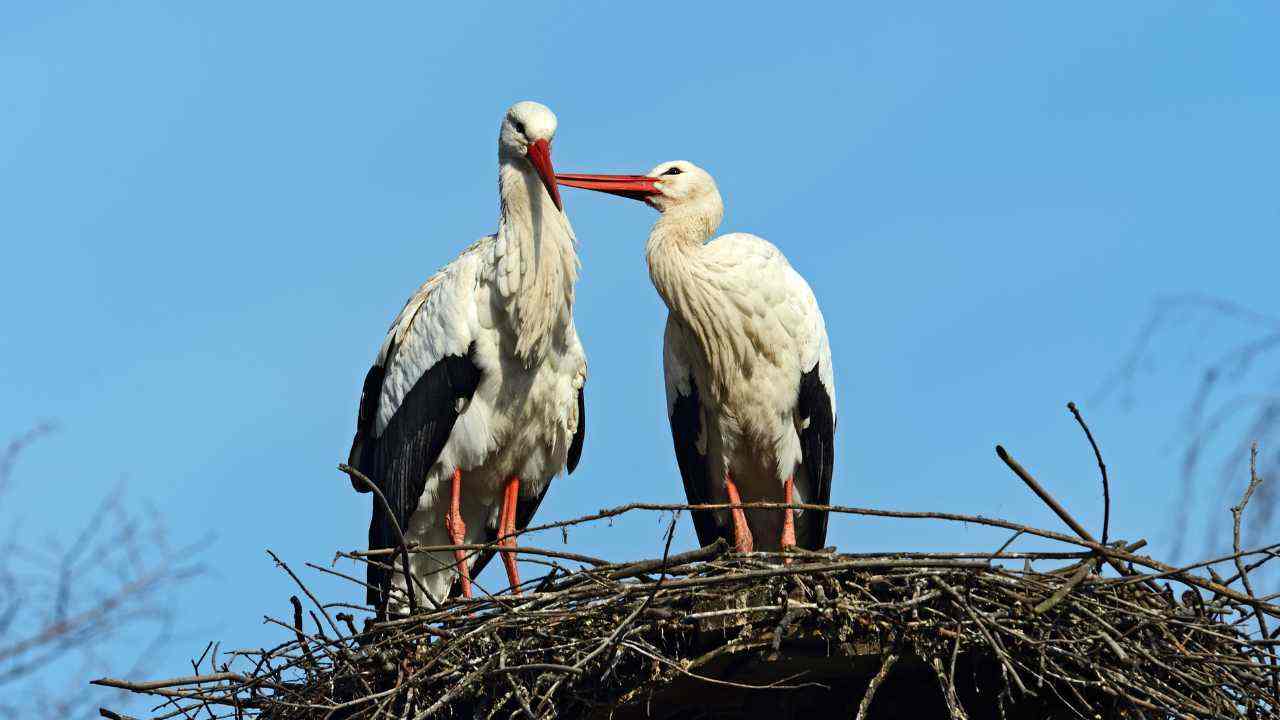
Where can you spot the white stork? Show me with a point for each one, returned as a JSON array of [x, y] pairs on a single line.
[[750, 391], [475, 400]]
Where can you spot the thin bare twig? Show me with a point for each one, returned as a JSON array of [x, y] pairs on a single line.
[[410, 591], [1102, 468]]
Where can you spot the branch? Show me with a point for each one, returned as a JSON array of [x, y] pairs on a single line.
[[395, 525], [1237, 515], [1102, 467]]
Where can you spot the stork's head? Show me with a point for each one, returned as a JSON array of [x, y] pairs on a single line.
[[676, 184], [527, 131]]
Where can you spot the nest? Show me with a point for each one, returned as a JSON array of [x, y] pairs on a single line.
[[1092, 630]]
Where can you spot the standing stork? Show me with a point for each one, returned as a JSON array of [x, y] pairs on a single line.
[[750, 391], [475, 400]]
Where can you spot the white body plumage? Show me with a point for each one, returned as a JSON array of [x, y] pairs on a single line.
[[766, 333]]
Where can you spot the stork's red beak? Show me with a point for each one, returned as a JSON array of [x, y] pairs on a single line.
[[636, 187], [540, 155]]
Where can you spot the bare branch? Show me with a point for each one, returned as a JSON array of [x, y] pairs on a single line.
[[76, 595], [1102, 468], [1233, 400]]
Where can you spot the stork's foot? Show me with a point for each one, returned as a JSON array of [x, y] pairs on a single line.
[[742, 540], [507, 532], [457, 530], [788, 520]]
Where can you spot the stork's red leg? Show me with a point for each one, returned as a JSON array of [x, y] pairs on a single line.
[[507, 531], [789, 519], [742, 541], [458, 531]]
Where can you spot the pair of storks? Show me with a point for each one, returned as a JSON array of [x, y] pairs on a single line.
[[475, 401]]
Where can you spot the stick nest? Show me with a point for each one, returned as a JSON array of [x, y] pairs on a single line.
[[964, 635], [1093, 630]]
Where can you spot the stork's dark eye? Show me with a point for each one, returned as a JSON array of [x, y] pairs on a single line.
[[519, 127], [673, 171]]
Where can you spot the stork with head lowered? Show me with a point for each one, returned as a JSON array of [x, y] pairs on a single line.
[[747, 364]]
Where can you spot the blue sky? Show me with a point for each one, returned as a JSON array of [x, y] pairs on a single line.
[[210, 213]]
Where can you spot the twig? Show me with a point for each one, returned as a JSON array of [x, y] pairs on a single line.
[[612, 640], [1102, 468], [1055, 506], [885, 666], [410, 591], [1086, 569], [543, 552], [307, 590], [301, 634], [1237, 516], [170, 682], [948, 688]]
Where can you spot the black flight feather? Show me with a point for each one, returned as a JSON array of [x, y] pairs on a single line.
[[817, 451], [399, 459]]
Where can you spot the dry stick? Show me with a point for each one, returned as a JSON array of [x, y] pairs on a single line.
[[612, 640], [818, 568], [170, 682], [335, 573], [519, 696], [535, 667], [1086, 568], [306, 590], [1057, 508], [301, 635], [1266, 549], [618, 571], [395, 525], [1269, 551], [415, 549], [359, 701], [1008, 542], [680, 668], [1237, 515], [874, 685], [995, 645], [1102, 467], [954, 708], [456, 690], [183, 710], [1111, 553], [642, 567]]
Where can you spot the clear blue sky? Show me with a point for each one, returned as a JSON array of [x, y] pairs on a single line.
[[209, 213]]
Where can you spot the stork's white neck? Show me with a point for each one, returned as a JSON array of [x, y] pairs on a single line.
[[675, 245], [536, 263], [692, 285]]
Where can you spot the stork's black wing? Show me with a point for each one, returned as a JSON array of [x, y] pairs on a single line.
[[525, 508], [399, 459], [686, 427], [817, 451], [575, 446]]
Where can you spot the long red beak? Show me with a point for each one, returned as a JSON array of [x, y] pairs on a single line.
[[636, 187], [540, 155]]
